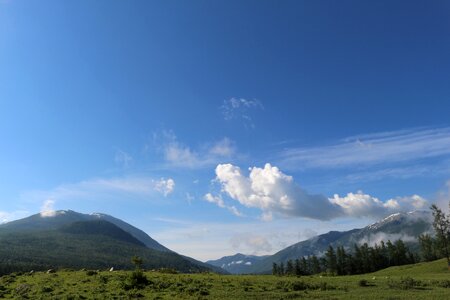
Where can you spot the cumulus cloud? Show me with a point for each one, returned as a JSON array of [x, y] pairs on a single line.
[[274, 192], [240, 109], [47, 209], [164, 186], [364, 205]]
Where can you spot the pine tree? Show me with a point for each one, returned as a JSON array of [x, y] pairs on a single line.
[[341, 258], [357, 264], [275, 270], [315, 265], [281, 269], [298, 269], [290, 267], [304, 266], [392, 255], [331, 260]]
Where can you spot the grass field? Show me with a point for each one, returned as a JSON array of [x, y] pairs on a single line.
[[420, 281]]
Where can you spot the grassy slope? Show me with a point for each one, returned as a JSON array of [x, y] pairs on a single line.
[[108, 285]]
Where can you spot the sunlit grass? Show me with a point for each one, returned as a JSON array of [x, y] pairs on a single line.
[[420, 281]]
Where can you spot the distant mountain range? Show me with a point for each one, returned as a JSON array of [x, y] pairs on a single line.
[[68, 239], [405, 226], [236, 264]]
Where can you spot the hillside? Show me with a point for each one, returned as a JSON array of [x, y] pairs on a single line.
[[64, 217], [91, 244], [73, 240]]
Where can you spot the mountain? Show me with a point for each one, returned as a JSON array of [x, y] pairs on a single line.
[[101, 227], [68, 239], [236, 264], [405, 226], [64, 217]]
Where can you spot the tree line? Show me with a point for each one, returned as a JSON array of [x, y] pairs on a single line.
[[339, 261]]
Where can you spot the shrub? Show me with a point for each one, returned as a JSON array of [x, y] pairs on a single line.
[[405, 283], [46, 289], [363, 282], [91, 273], [137, 280]]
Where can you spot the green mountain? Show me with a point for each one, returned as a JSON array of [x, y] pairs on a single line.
[[73, 240], [64, 217]]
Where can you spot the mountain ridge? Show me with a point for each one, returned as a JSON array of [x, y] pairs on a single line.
[[406, 226], [69, 239]]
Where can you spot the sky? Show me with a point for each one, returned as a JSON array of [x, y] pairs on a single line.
[[220, 127]]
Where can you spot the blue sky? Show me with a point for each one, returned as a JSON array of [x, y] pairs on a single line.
[[225, 126]]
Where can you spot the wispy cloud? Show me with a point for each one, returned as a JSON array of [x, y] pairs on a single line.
[[240, 109], [122, 158], [220, 203], [404, 172], [102, 188], [372, 149], [11, 216], [179, 155]]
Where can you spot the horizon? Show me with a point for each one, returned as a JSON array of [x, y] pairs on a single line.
[[225, 127]]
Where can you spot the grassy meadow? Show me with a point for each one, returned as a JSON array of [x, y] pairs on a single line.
[[419, 281]]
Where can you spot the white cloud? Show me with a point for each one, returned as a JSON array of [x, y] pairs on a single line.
[[387, 147], [138, 187], [364, 205], [379, 237], [123, 158], [180, 155], [4, 217], [215, 199], [164, 186], [220, 203], [240, 109], [11, 216], [251, 242], [223, 148], [274, 192], [47, 209]]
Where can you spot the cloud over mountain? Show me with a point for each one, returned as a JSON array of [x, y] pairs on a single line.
[[274, 192]]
